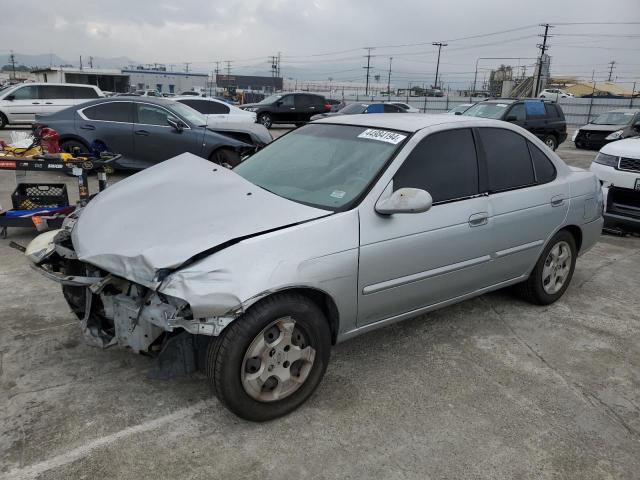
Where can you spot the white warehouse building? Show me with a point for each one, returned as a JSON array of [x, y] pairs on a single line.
[[165, 81]]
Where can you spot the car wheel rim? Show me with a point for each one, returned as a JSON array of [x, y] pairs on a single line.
[[278, 361], [556, 268], [550, 143], [266, 120]]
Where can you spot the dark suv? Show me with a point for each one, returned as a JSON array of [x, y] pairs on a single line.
[[295, 108], [543, 118]]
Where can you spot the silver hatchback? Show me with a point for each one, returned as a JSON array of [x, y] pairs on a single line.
[[342, 226]]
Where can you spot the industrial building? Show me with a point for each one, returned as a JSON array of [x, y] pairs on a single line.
[[106, 79], [249, 82], [164, 81]]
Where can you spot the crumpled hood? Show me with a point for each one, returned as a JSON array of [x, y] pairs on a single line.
[[161, 217], [259, 133]]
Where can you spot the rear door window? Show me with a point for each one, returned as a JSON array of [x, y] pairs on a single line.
[[82, 93], [550, 110], [111, 112], [207, 107], [391, 108], [444, 164], [508, 161]]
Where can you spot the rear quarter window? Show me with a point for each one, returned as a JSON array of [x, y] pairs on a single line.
[[545, 171], [82, 93]]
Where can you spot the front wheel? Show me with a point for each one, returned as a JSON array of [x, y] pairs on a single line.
[[266, 120], [553, 271], [269, 361], [226, 157], [70, 146], [3, 121]]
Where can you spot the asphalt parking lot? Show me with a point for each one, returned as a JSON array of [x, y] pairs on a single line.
[[491, 388]]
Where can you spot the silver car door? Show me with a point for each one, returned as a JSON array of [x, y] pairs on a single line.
[[411, 261], [527, 203]]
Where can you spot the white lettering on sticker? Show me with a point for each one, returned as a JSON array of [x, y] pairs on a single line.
[[338, 194], [382, 136]]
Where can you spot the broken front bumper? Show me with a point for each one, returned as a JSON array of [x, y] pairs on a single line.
[[113, 310]]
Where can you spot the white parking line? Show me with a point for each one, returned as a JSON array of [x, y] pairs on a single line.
[[32, 471]]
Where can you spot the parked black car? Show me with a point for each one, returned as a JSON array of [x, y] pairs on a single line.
[[144, 130], [295, 108], [543, 118], [608, 127]]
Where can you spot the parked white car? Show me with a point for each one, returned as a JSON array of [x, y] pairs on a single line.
[[21, 103], [216, 110], [617, 166], [554, 93]]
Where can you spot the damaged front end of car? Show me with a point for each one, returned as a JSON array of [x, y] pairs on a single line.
[[115, 311]]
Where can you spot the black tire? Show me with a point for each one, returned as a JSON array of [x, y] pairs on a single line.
[[551, 141], [226, 157], [69, 145], [532, 290], [265, 119], [226, 355], [3, 121]]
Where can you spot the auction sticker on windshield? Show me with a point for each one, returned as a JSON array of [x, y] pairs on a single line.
[[382, 136]]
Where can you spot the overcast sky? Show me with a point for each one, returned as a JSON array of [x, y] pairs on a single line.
[[248, 31]]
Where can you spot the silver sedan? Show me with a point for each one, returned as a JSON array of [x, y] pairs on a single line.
[[340, 227]]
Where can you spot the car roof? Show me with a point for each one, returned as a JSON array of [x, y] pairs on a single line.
[[500, 100], [131, 98], [177, 98], [407, 122], [54, 84]]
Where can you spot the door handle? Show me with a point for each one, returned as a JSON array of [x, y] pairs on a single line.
[[35, 103], [48, 103], [88, 127], [478, 219], [557, 201], [292, 108], [144, 133], [312, 108]]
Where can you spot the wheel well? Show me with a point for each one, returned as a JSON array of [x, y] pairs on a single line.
[[73, 138], [324, 303], [577, 235]]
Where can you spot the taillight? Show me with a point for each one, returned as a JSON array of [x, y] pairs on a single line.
[[327, 107]]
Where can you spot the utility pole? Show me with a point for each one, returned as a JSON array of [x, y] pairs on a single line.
[[611, 64], [12, 61], [543, 48], [389, 80], [90, 62], [274, 66], [439, 45], [368, 67], [279, 74], [80, 62], [186, 67], [228, 62]]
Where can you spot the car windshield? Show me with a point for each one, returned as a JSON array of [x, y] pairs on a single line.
[[354, 108], [271, 99], [325, 166], [189, 114], [487, 110], [613, 118]]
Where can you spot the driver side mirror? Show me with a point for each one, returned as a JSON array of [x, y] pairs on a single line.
[[636, 125], [10, 98], [177, 125], [458, 113], [405, 200]]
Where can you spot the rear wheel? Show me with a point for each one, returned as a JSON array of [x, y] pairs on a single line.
[[551, 142], [226, 157], [70, 146], [269, 361], [553, 271], [266, 120], [3, 121]]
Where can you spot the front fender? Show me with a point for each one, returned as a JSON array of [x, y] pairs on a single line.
[[320, 255]]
